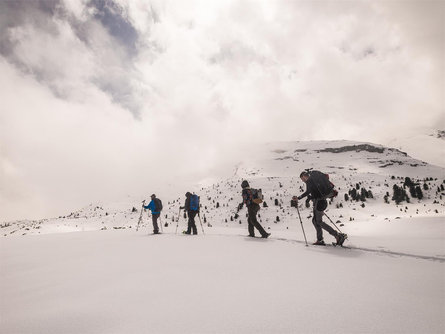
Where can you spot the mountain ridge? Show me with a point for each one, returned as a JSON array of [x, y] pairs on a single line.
[[275, 168]]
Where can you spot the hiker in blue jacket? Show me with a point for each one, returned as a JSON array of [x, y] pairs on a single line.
[[155, 206]]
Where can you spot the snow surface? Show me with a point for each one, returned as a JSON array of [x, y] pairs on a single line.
[[104, 277], [128, 282]]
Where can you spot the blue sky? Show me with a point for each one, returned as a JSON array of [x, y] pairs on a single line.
[[112, 97]]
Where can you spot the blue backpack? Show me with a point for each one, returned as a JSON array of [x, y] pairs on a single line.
[[194, 202]]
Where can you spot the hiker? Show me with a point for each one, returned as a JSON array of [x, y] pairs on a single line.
[[318, 188], [192, 207], [252, 209], [155, 207]]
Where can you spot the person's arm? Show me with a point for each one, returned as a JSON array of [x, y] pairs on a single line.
[[303, 195], [150, 206], [186, 204], [309, 190]]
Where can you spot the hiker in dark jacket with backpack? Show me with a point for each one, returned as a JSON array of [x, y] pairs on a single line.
[[318, 188], [155, 206], [192, 207], [252, 209]]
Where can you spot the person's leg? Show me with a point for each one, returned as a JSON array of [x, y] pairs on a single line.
[[253, 210], [189, 222], [250, 227], [315, 220], [322, 225], [154, 218], [193, 215]]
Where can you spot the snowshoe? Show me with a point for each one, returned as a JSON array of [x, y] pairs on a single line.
[[341, 237]]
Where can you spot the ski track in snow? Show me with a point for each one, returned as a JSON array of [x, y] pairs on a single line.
[[375, 251], [346, 248]]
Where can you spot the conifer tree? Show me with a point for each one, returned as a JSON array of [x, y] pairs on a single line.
[[419, 193], [412, 191]]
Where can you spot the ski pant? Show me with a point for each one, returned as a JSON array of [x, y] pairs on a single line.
[[154, 218], [191, 222], [320, 225], [252, 221]]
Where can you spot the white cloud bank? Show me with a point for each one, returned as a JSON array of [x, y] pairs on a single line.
[[101, 99]]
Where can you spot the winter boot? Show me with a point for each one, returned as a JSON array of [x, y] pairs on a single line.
[[265, 236], [341, 237], [319, 243]]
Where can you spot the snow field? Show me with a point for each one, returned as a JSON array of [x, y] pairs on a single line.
[[121, 281], [106, 278]]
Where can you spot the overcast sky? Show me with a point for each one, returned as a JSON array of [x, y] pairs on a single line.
[[101, 99]]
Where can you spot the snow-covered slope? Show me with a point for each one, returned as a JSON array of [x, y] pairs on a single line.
[[112, 279], [426, 147], [275, 168]]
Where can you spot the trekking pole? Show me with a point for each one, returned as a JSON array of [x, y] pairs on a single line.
[[199, 216], [177, 221], [140, 217], [301, 225], [333, 223]]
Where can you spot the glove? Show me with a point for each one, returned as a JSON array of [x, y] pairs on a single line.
[[295, 198], [240, 206]]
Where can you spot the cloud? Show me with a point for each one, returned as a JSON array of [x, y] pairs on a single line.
[[104, 98]]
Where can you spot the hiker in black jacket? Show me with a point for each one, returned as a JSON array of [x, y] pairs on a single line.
[[314, 193], [191, 215], [252, 209]]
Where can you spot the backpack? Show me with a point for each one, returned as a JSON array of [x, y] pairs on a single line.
[[194, 202], [257, 196], [158, 205], [322, 183]]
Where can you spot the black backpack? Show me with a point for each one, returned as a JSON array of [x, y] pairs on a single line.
[[322, 184], [158, 205]]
